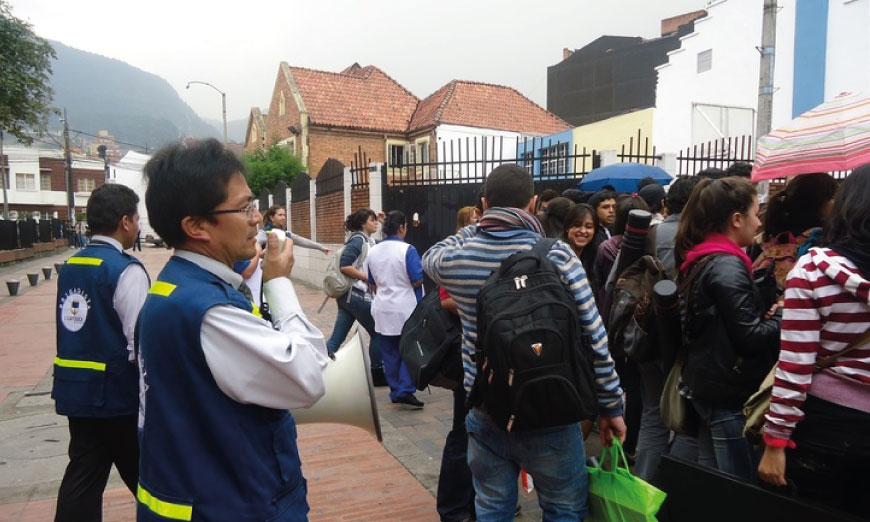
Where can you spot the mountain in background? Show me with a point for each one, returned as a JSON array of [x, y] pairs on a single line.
[[135, 106], [236, 129]]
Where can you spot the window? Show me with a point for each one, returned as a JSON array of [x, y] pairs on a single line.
[[554, 160], [527, 161], [397, 155], [44, 181], [705, 60], [85, 185], [24, 181], [281, 104]]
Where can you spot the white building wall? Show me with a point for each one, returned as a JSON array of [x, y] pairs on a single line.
[[128, 172], [500, 145], [847, 67], [732, 31], [26, 160]]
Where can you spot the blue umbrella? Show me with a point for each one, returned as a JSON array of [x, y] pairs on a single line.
[[623, 177]]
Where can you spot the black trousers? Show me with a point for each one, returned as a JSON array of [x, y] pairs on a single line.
[[95, 444]]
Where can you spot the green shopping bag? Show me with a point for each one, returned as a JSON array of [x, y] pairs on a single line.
[[617, 495]]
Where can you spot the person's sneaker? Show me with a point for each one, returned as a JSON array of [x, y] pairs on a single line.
[[378, 377], [409, 400]]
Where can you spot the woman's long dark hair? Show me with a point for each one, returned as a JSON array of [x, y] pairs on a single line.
[[556, 212], [799, 205], [574, 218], [709, 210], [850, 217]]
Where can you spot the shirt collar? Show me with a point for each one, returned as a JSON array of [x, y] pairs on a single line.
[[212, 265], [108, 240], [393, 238]]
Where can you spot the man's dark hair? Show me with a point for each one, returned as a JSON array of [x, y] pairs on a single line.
[[609, 188], [576, 195], [358, 218], [601, 195], [740, 168], [679, 192], [108, 204], [509, 185], [625, 204], [394, 220], [712, 173], [187, 180], [649, 180], [653, 194], [547, 195]]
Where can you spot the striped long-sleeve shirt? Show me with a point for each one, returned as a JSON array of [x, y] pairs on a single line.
[[462, 263], [827, 304]]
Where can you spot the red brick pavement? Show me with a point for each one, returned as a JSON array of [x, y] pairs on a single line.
[[351, 477]]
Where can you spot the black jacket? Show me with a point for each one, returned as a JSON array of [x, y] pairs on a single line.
[[731, 346]]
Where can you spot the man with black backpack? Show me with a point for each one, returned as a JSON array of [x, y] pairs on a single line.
[[529, 373]]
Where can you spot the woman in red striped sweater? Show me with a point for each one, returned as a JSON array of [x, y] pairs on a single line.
[[818, 425]]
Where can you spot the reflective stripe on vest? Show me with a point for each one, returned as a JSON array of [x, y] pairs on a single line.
[[256, 310], [86, 365], [89, 261], [163, 508], [162, 288]]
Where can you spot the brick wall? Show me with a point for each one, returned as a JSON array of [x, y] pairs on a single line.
[[300, 218], [359, 198], [276, 125], [341, 145], [330, 218]]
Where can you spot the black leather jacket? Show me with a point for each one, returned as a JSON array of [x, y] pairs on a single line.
[[731, 346]]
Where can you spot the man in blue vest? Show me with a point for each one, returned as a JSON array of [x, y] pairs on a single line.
[[218, 443], [100, 292]]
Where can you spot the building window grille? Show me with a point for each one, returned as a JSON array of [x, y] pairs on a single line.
[[705, 60]]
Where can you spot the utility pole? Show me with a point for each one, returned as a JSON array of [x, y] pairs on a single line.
[[3, 176], [70, 196], [765, 76], [765, 82]]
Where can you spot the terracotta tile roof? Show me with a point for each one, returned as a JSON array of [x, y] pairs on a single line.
[[487, 106], [358, 97]]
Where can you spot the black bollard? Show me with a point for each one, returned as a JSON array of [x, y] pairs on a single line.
[[46, 272], [12, 286], [57, 267], [33, 278]]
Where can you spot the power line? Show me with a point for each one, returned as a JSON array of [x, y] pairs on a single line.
[[143, 147]]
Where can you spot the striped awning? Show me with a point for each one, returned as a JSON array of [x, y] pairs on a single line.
[[835, 136]]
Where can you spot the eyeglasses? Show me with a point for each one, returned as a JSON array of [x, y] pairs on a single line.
[[248, 210]]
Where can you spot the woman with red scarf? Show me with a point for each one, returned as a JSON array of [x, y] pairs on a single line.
[[731, 335]]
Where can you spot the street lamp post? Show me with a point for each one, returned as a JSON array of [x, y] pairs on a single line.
[[223, 103]]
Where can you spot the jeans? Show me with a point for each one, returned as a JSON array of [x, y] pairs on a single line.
[[358, 309], [653, 438], [395, 371], [720, 441], [554, 457], [455, 498]]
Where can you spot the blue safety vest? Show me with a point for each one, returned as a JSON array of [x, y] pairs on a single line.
[[205, 456], [93, 376]]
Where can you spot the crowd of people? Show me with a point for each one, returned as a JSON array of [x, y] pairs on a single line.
[[200, 366]]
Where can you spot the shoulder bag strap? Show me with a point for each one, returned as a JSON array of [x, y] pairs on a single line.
[[826, 362]]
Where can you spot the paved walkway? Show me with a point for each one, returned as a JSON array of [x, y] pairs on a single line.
[[350, 476]]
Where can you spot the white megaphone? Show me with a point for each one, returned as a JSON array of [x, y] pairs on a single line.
[[350, 395]]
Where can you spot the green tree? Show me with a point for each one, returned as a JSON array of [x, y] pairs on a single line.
[[25, 73], [267, 167]]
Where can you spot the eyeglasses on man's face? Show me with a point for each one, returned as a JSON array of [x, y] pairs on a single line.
[[248, 210]]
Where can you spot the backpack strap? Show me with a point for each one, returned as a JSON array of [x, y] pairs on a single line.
[[826, 362], [543, 245]]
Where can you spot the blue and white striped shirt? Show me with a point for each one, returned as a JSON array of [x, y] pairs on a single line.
[[463, 262]]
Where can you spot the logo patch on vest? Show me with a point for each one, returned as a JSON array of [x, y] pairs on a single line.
[[537, 347], [74, 308]]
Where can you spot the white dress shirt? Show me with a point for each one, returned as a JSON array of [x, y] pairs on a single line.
[[254, 363], [130, 294]]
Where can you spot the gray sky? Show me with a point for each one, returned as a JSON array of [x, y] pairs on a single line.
[[238, 45]]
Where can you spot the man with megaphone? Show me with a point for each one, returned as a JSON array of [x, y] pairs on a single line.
[[217, 441]]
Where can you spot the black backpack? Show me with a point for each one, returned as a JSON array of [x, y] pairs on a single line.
[[430, 345], [534, 366], [631, 322]]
